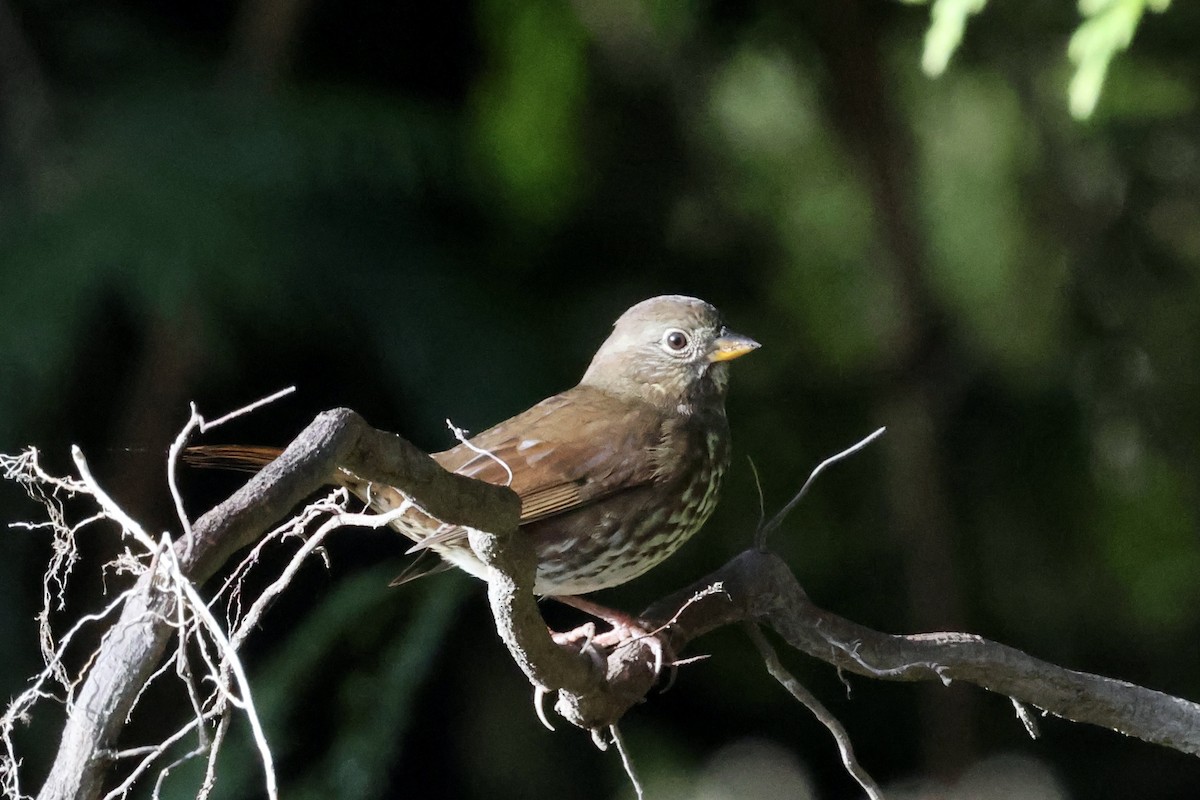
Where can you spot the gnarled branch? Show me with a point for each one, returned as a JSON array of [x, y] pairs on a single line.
[[756, 586], [136, 642]]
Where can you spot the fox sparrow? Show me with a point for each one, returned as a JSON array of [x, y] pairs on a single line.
[[614, 474]]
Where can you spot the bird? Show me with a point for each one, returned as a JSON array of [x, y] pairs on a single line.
[[613, 474]]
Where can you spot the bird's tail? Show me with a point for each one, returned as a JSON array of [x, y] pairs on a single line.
[[243, 458]]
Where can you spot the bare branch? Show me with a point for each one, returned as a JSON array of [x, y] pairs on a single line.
[[760, 536], [755, 587], [760, 587], [335, 440], [170, 572], [246, 409], [626, 761], [823, 715]]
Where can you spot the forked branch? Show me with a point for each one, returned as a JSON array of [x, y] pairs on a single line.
[[755, 587], [133, 649]]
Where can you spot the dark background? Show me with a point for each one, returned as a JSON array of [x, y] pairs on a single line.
[[436, 210]]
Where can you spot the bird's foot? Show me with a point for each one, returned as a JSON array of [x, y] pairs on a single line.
[[581, 639], [624, 630]]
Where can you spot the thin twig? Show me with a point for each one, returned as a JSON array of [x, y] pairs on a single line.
[[334, 503], [1027, 718], [20, 706], [109, 506], [256, 610], [713, 588], [207, 426], [246, 701], [627, 761], [461, 435], [762, 501], [760, 536], [195, 421], [809, 700], [185, 524], [210, 769], [151, 754], [170, 569]]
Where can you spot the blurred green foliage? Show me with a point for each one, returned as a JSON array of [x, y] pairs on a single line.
[[529, 105], [436, 212], [1107, 27]]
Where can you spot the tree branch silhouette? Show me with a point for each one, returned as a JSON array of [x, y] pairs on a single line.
[[593, 692]]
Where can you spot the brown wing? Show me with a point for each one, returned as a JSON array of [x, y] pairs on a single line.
[[567, 451]]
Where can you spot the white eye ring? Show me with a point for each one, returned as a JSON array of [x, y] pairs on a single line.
[[675, 341]]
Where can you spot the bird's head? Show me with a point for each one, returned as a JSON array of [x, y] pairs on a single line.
[[671, 350]]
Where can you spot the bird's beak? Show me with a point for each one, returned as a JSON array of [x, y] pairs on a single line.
[[730, 345]]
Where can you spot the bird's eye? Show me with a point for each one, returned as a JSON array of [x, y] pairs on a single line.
[[675, 340]]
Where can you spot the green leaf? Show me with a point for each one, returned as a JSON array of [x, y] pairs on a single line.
[[1107, 29], [948, 20]]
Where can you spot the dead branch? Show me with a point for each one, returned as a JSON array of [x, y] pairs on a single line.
[[755, 587], [809, 700], [134, 646], [759, 586]]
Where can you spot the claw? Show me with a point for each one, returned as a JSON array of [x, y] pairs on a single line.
[[633, 634], [584, 638], [539, 705], [657, 649]]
